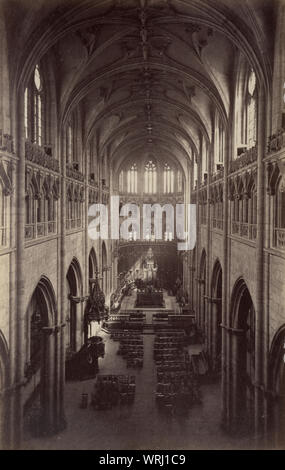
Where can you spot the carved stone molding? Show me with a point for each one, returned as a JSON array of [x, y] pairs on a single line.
[[38, 155], [6, 178], [248, 157], [74, 174], [276, 141], [75, 192], [6, 142], [42, 183]]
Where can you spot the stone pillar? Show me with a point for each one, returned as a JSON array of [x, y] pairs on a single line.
[[209, 325], [47, 383], [209, 239], [215, 306], [198, 244], [63, 291], [260, 314], [18, 323], [213, 334], [269, 223], [233, 385], [225, 303], [85, 224]]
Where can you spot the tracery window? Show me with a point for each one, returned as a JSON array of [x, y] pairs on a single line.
[[168, 179], [246, 104], [121, 181], [179, 182], [280, 206], [195, 175], [3, 238], [280, 216], [150, 177], [69, 143], [92, 162], [34, 113], [132, 179], [251, 110], [219, 143]]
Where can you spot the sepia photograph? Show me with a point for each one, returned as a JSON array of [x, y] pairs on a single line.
[[142, 227]]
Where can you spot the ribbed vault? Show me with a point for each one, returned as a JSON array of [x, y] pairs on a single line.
[[145, 74]]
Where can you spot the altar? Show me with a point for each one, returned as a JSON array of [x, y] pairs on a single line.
[[150, 298]]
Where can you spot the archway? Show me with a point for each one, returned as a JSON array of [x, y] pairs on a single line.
[[243, 358], [39, 407], [202, 291], [215, 320], [91, 328], [74, 289], [92, 266], [4, 367], [104, 269], [192, 268], [277, 387]]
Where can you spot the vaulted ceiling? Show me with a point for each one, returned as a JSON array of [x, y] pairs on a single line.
[[147, 75]]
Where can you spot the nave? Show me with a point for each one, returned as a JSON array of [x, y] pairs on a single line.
[[141, 424], [126, 104]]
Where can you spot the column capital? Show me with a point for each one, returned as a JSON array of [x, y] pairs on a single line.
[[213, 300], [48, 330], [78, 299], [236, 331]]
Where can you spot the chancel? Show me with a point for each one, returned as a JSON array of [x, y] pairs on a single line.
[[138, 342]]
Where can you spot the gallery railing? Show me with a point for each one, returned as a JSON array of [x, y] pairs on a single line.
[[244, 230], [280, 238], [39, 229]]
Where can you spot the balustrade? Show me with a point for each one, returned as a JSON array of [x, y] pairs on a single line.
[[39, 229], [280, 238]]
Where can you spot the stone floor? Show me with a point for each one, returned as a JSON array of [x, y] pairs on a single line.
[[141, 425]]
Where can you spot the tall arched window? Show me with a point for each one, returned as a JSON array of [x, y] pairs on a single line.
[[26, 112], [3, 238], [92, 162], [121, 181], [168, 179], [219, 143], [280, 215], [133, 179], [34, 109], [195, 177], [69, 143], [251, 110], [150, 177]]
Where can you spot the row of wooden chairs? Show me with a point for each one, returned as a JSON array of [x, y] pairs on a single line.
[[112, 390], [131, 348]]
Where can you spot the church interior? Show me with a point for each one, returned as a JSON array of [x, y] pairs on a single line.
[[131, 343]]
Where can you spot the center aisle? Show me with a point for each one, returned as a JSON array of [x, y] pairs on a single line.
[[140, 425]]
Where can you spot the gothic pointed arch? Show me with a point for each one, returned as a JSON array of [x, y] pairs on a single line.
[[242, 314], [4, 384]]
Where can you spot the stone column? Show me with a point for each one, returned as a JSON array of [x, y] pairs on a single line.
[[209, 238], [85, 224], [47, 383], [260, 357], [198, 254], [63, 292], [234, 411], [17, 344], [225, 307], [216, 305]]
